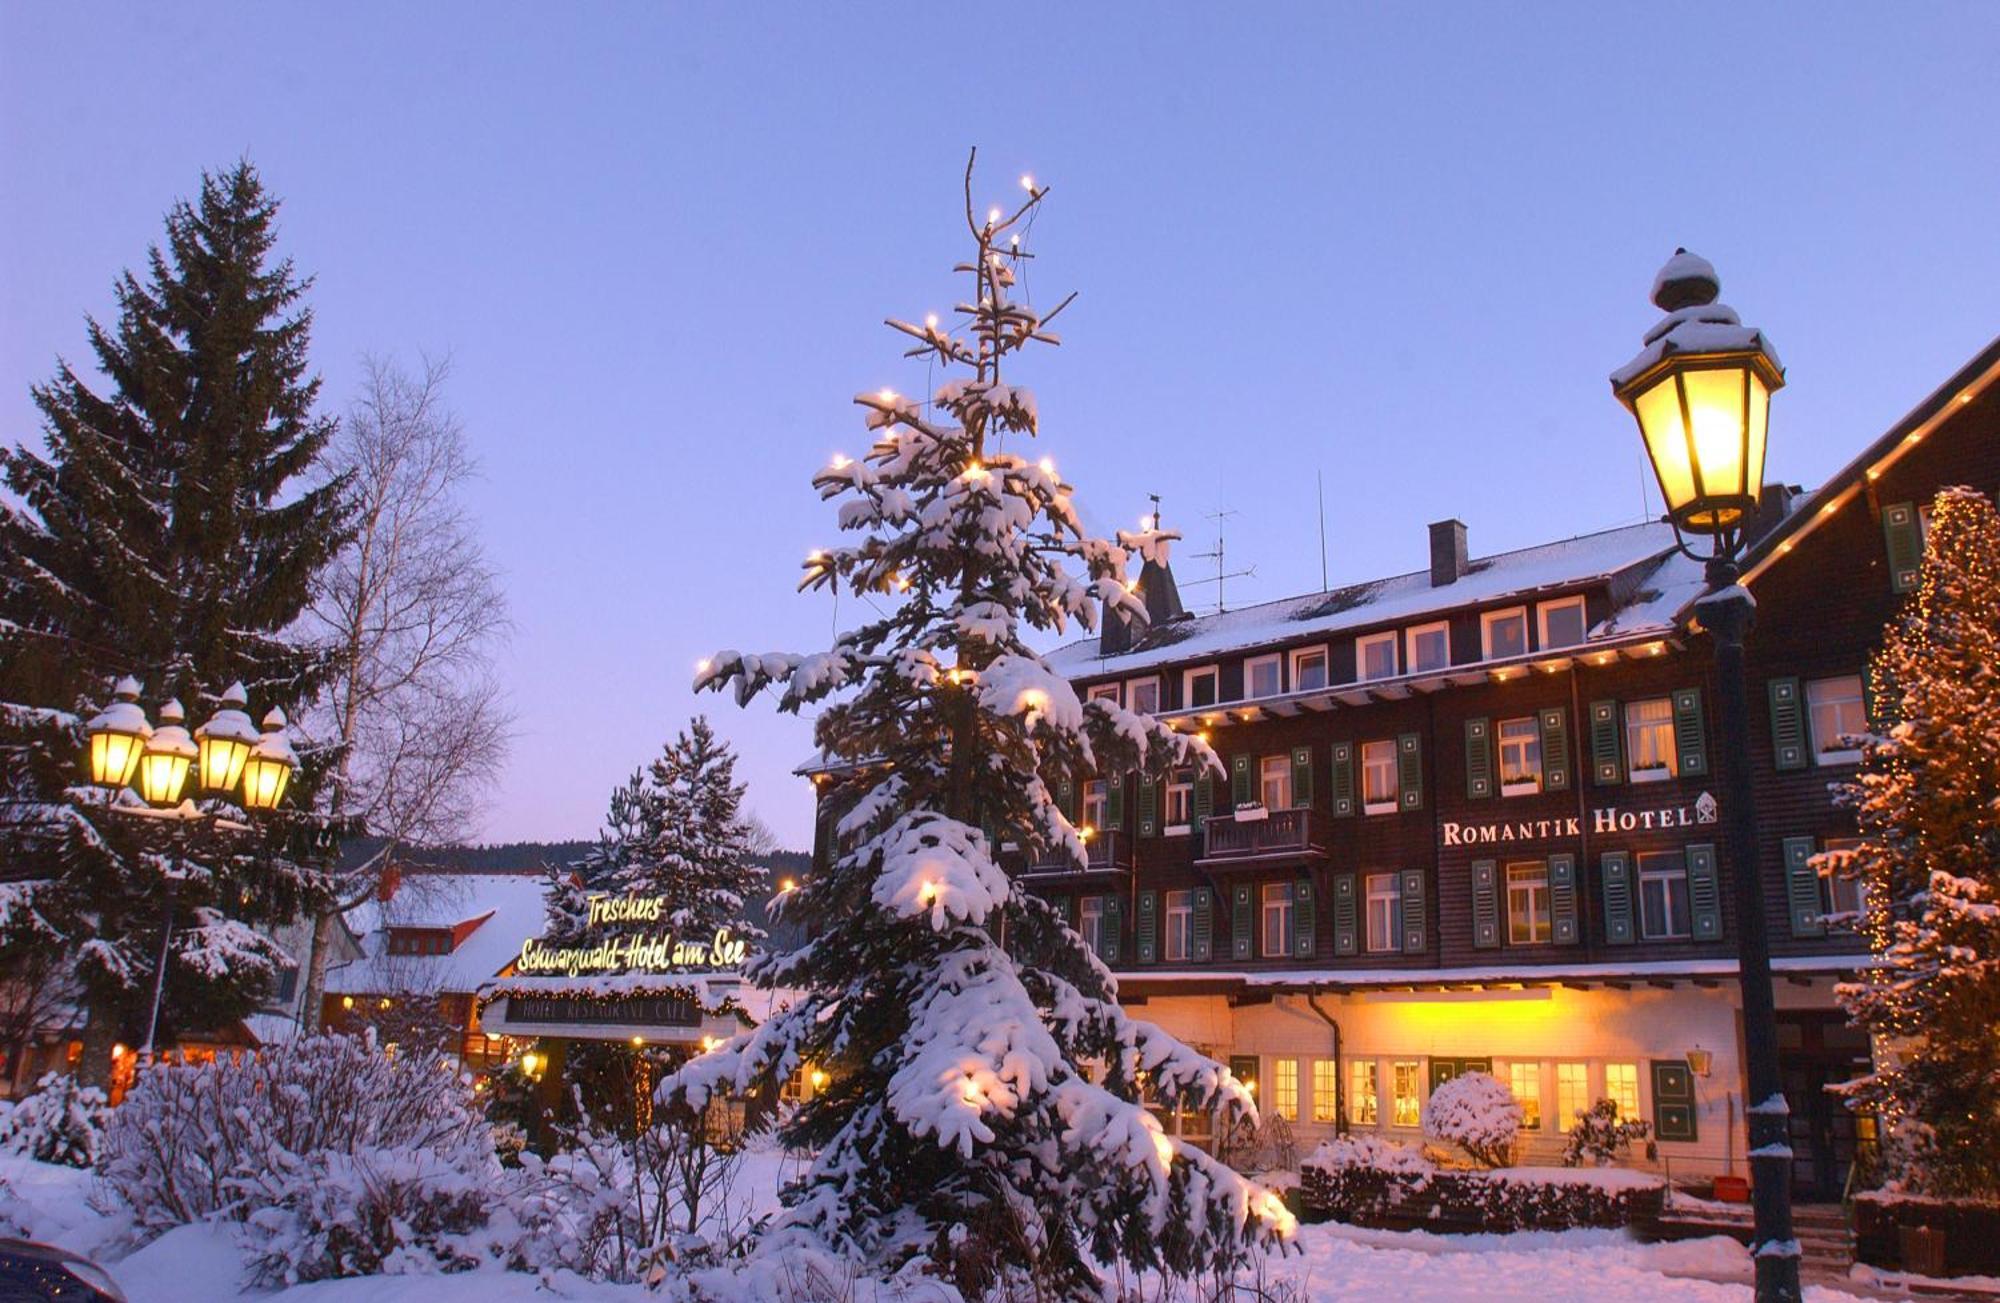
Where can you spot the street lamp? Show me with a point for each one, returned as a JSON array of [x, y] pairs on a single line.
[[117, 737], [1701, 391], [269, 768], [225, 742], [163, 766]]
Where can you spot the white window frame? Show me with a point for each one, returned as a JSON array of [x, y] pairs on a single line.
[[1251, 664], [1546, 609], [1132, 687], [1111, 692], [1188, 679], [1415, 1097], [1664, 867], [1387, 890], [1628, 1076], [1325, 1086], [1842, 895], [1487, 619], [1442, 628], [1090, 921], [1389, 804], [1633, 774], [1278, 911], [1527, 1072], [1180, 790], [1364, 1072], [1178, 911], [1534, 920], [1300, 654], [1524, 787], [1275, 771], [1386, 638], [1097, 793], [1285, 1089], [1572, 1092], [1835, 754]]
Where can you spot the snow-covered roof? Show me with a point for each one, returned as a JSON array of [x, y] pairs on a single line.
[[1333, 980], [491, 913], [1568, 563]]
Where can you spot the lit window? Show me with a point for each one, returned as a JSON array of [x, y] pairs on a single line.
[[1261, 677], [1308, 669], [1090, 922], [1180, 800], [1326, 1091], [1198, 687], [1277, 918], [1520, 756], [1528, 921], [1096, 804], [794, 1087], [1429, 647], [1663, 895], [1385, 913], [1375, 656], [1378, 777], [1363, 1105], [1180, 925], [1285, 1088], [1841, 893], [1621, 1087], [1504, 633], [1274, 782], [1837, 714], [1405, 1094], [1562, 622], [1525, 1080], [1144, 695], [1649, 739], [1572, 1093], [1106, 692]]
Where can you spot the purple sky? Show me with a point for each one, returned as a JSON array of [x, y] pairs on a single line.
[[1401, 245]]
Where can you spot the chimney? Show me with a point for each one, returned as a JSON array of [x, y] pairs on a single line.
[[1773, 505], [1155, 587], [1448, 559]]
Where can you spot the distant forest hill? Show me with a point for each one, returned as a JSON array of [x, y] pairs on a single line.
[[529, 857]]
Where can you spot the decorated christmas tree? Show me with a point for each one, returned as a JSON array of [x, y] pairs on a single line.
[[1928, 803], [983, 1109]]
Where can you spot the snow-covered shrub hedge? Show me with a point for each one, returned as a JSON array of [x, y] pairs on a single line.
[[1368, 1150], [62, 1122], [1476, 1113], [1599, 1137], [1515, 1199], [375, 1211]]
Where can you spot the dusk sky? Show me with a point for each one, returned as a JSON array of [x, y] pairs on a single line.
[[1400, 247]]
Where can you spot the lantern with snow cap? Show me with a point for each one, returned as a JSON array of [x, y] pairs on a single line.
[[269, 768], [225, 742], [118, 737], [169, 753]]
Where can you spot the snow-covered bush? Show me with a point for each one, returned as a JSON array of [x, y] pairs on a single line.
[[62, 1122], [1476, 1113], [374, 1211], [1414, 1194], [1366, 1150], [1600, 1137]]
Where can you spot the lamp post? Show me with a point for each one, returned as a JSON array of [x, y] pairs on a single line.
[[1701, 390], [125, 749]]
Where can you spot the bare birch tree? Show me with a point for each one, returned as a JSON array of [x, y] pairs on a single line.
[[413, 613]]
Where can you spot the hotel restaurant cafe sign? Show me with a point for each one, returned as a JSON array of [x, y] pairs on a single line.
[[1602, 820]]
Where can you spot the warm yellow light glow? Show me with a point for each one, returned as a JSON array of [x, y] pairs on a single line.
[[971, 1093], [701, 666], [1704, 422], [974, 471], [119, 1051], [1028, 183], [1272, 1207], [818, 1079], [169, 754], [886, 395], [788, 885], [993, 217], [1086, 832], [531, 1063], [637, 1041], [1049, 466], [1164, 1145], [840, 461], [114, 757], [931, 320], [386, 1002], [347, 1002]]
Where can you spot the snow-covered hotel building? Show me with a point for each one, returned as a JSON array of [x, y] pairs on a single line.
[[1469, 819]]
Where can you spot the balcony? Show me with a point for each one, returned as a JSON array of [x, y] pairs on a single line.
[[1275, 836], [1105, 852]]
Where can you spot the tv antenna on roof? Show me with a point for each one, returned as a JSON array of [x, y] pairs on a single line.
[[1222, 573]]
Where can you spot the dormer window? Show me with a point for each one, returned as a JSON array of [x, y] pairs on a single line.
[[1143, 695], [1504, 633], [1429, 647], [1200, 687], [1562, 622], [1375, 656], [1105, 692], [1309, 669], [1262, 676]]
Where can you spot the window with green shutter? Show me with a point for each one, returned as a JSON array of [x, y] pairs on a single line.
[[1242, 781], [1485, 905], [1346, 916], [1788, 724], [1066, 799], [1802, 887], [1204, 925], [1414, 930], [1111, 931], [1204, 796], [1242, 921], [1690, 733], [1302, 778], [1564, 928], [1478, 759], [1305, 907], [1146, 927], [1704, 893], [1607, 754], [1341, 776], [1673, 1100], [1410, 771], [1616, 870], [1902, 535], [1555, 749], [1149, 805], [1114, 804]]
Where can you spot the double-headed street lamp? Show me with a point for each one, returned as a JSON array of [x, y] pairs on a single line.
[[225, 753], [1701, 392]]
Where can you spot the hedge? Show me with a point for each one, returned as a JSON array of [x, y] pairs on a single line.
[[1504, 1200], [1971, 1231]]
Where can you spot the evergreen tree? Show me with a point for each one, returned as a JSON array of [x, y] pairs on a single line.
[[165, 532], [1928, 803], [697, 851], [603, 866], [953, 1009]]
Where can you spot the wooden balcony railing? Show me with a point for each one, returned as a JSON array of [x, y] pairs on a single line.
[[1279, 833], [1105, 852]]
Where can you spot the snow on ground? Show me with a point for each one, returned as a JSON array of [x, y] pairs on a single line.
[[198, 1264]]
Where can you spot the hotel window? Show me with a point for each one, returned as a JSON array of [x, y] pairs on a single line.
[[1095, 803], [1840, 894], [1180, 800], [1562, 622], [1285, 1088], [1143, 695], [1504, 633], [1199, 687], [1277, 918], [1525, 1080], [1106, 692], [1363, 1105], [1180, 925], [1520, 756], [1308, 669], [1649, 739], [1385, 913], [1405, 1087], [1572, 1093], [1261, 676], [1375, 656], [1429, 647], [1528, 920], [1378, 777], [1326, 1090], [1090, 922], [1274, 782], [794, 1087], [1621, 1087], [1837, 712], [1663, 895]]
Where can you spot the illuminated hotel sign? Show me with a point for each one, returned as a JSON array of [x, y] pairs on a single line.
[[1603, 819], [632, 952]]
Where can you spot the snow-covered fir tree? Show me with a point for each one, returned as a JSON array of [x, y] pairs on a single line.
[[167, 530], [984, 1106], [1928, 804], [571, 885]]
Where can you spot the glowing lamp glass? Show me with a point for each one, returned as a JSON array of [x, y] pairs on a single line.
[[114, 757], [1704, 419], [221, 762], [163, 775], [264, 781]]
